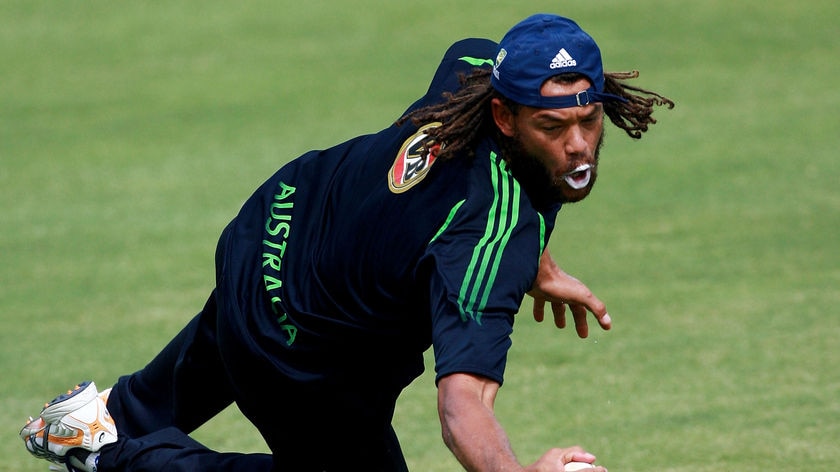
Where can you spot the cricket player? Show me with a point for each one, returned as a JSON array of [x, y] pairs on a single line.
[[346, 265]]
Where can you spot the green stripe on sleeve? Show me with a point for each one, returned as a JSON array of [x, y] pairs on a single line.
[[542, 234], [513, 210], [502, 217], [449, 218], [468, 307]]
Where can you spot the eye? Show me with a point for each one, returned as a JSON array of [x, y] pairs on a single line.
[[552, 127], [595, 116], [591, 120]]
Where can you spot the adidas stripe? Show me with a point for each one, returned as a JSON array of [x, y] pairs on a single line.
[[487, 254]]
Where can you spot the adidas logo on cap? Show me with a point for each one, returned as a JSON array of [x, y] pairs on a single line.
[[562, 59]]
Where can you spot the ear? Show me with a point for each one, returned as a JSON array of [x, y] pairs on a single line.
[[503, 116]]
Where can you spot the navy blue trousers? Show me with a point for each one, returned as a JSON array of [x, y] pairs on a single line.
[[201, 372]]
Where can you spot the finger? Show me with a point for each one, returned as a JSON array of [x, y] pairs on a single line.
[[605, 321], [597, 307], [580, 316], [577, 454], [580, 456], [559, 310], [539, 309]]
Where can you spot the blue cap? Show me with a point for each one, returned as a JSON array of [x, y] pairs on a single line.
[[540, 47]]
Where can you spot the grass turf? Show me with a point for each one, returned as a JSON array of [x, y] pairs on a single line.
[[130, 134]]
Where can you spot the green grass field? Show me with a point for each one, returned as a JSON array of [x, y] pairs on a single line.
[[131, 132]]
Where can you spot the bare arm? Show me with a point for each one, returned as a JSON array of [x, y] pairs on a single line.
[[560, 289], [469, 426], [475, 437]]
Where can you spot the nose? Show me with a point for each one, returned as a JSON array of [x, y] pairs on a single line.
[[575, 142]]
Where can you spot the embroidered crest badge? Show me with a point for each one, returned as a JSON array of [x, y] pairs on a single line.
[[413, 161]]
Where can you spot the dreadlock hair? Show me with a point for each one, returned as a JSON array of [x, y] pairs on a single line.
[[635, 115], [465, 115]]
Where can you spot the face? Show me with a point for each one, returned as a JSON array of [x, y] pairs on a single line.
[[562, 144]]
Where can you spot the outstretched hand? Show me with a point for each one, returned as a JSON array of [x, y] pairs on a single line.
[[561, 289]]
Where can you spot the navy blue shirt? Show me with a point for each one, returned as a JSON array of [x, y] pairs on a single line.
[[349, 262]]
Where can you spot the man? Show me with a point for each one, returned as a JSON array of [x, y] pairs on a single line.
[[348, 263]]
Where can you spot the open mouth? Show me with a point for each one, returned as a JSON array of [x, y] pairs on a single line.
[[579, 178]]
